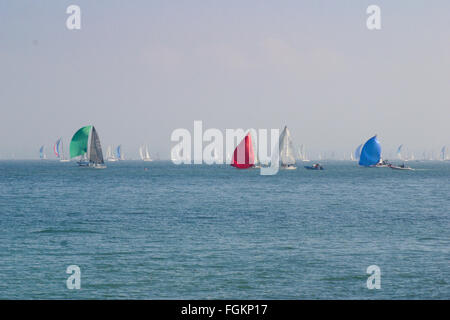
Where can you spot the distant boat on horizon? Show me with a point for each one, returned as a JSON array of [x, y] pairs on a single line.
[[287, 157], [358, 152], [85, 144], [110, 157], [58, 149], [119, 153], [42, 154], [303, 154], [399, 152], [443, 151], [144, 154]]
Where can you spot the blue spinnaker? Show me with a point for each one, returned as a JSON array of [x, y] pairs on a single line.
[[370, 153], [118, 152], [41, 152]]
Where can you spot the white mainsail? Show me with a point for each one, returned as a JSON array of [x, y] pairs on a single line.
[[305, 158], [110, 155], [144, 154], [287, 150]]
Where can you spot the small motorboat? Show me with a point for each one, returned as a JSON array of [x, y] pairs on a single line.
[[315, 166], [401, 167]]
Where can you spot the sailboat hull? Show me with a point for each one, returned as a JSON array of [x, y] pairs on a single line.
[[83, 163], [401, 168]]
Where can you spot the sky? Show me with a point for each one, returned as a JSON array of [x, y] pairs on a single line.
[[138, 70]]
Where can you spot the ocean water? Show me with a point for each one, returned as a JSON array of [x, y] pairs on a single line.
[[214, 232]]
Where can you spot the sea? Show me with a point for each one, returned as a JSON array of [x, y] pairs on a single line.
[[156, 230]]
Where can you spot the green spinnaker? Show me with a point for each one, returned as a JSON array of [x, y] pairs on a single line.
[[79, 142]]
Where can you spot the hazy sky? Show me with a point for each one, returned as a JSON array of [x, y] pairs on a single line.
[[137, 70]]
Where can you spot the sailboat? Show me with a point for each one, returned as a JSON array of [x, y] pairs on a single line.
[[299, 153], [287, 157], [303, 153], [443, 150], [370, 153], [110, 157], [244, 156], [144, 154], [358, 152], [42, 154], [119, 153], [257, 162], [399, 152], [85, 144], [58, 149]]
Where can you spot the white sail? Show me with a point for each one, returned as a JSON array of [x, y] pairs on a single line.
[[300, 153], [145, 155], [110, 156], [287, 150], [305, 158]]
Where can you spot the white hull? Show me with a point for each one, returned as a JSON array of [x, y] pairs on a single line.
[[98, 166], [400, 168]]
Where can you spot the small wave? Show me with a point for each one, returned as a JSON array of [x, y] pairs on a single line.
[[344, 278], [55, 231]]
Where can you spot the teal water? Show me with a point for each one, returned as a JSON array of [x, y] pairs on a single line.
[[214, 232]]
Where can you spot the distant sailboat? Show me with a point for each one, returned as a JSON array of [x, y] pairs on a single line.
[[244, 156], [399, 152], [370, 153], [144, 154], [58, 149], [85, 144], [110, 157], [358, 152], [119, 153], [304, 156], [287, 157], [299, 153], [443, 150], [42, 154]]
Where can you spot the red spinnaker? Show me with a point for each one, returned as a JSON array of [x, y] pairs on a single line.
[[243, 156]]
